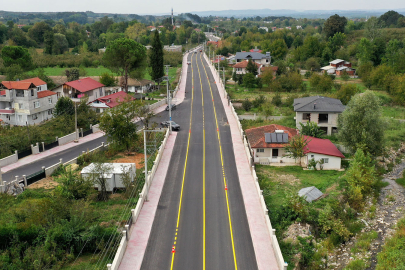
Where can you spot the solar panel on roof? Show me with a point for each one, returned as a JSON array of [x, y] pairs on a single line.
[[276, 137]]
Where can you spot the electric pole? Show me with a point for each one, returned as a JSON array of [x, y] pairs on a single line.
[[168, 100], [77, 138]]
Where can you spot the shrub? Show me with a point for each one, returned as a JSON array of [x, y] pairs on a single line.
[[247, 104], [276, 100]]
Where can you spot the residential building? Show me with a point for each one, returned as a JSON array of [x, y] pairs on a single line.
[[231, 59], [80, 89], [264, 28], [255, 50], [134, 86], [267, 143], [240, 68], [298, 27], [110, 101], [324, 111], [262, 59], [337, 66], [325, 150], [173, 48], [22, 104], [40, 84]]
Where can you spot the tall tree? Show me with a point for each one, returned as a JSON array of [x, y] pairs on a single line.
[[334, 24], [251, 67], [296, 147], [361, 125], [16, 55], [156, 57], [124, 56]]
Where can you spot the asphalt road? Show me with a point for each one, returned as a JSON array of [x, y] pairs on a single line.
[[195, 212], [68, 154]]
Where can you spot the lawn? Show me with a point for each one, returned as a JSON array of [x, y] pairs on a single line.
[[276, 182], [90, 71]]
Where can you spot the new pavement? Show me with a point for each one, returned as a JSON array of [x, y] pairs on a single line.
[[201, 212]]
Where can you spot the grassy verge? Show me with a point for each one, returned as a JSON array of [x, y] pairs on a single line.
[[392, 255]]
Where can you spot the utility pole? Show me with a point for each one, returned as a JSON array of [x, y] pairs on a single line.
[[223, 76], [218, 63], [168, 100], [77, 139]]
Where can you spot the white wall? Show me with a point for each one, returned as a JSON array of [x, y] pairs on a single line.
[[268, 154], [333, 164]]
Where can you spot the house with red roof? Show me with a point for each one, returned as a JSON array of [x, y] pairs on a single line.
[[110, 101], [22, 103], [40, 84], [81, 89], [267, 145], [240, 68]]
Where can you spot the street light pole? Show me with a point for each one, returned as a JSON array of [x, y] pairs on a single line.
[[168, 100], [77, 139]]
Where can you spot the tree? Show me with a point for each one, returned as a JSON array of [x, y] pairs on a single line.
[[346, 92], [267, 109], [267, 76], [249, 80], [312, 129], [156, 58], [361, 125], [390, 18], [64, 106], [373, 28], [365, 51], [278, 49], [97, 176], [296, 147], [125, 56], [360, 179], [251, 67], [16, 55], [334, 24], [312, 64], [38, 30], [108, 79], [118, 124], [13, 72], [60, 44], [48, 42], [72, 74]]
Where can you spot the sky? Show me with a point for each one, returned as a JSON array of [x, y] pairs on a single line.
[[181, 6]]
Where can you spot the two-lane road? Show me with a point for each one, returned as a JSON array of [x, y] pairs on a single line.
[[201, 211]]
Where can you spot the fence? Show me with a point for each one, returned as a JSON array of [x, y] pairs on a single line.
[[279, 256], [35, 177], [68, 138], [9, 160], [25, 153], [50, 145], [87, 132]]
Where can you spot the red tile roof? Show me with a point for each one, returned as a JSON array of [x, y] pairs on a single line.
[[272, 67], [3, 92], [244, 64], [255, 50], [256, 136], [36, 81], [84, 85], [18, 85], [45, 93], [114, 99], [322, 146]]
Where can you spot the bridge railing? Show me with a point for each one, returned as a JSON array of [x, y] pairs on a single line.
[[279, 256]]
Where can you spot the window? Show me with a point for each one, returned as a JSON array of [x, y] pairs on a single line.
[[19, 93], [312, 156], [34, 116], [306, 116], [20, 118], [101, 92], [20, 106], [50, 100], [36, 104], [50, 112], [325, 160], [90, 93], [260, 150], [39, 88], [32, 92]]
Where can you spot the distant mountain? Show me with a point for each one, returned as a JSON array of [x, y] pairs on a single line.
[[294, 13]]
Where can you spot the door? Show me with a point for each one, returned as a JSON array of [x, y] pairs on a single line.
[[274, 153]]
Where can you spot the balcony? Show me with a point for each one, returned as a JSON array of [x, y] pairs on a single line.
[[7, 111]]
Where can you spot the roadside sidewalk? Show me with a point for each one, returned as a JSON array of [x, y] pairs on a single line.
[[139, 235], [261, 238]]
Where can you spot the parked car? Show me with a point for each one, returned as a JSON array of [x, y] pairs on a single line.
[[171, 105], [200, 50], [188, 63], [195, 52], [174, 125]]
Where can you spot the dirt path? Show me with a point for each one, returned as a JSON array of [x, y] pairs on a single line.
[[389, 209]]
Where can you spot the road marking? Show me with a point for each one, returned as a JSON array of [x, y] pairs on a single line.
[[223, 168], [185, 162]]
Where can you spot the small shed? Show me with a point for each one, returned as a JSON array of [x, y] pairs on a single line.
[[112, 172], [310, 193]]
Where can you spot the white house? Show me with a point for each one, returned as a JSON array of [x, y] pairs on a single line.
[[324, 111], [261, 59], [113, 173], [240, 68], [267, 145], [81, 89]]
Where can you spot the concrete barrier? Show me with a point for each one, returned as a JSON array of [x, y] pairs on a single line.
[[95, 128], [35, 149], [9, 160], [49, 171], [120, 253], [68, 138]]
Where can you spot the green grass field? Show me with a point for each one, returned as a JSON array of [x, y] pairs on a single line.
[[57, 71]]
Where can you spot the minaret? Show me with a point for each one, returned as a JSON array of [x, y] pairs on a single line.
[[172, 17]]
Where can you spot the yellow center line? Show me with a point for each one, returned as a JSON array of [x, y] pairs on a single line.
[[185, 162], [223, 168]]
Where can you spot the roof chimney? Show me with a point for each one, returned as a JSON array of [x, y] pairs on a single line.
[[314, 106], [268, 54]]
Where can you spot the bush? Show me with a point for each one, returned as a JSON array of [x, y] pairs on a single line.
[[258, 101], [276, 100], [247, 104]]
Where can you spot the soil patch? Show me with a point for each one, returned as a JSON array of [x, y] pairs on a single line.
[[46, 183], [137, 158]]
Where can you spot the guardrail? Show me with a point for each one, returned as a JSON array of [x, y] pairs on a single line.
[[279, 256]]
